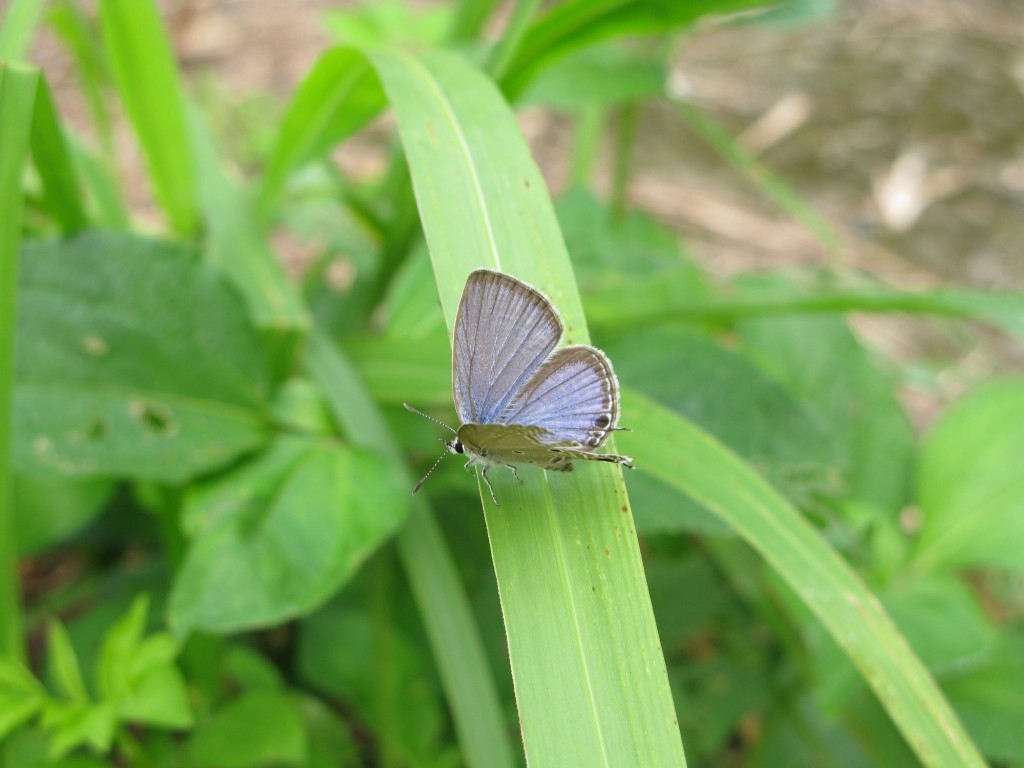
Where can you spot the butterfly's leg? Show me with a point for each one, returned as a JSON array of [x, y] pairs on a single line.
[[483, 474], [513, 468], [467, 466]]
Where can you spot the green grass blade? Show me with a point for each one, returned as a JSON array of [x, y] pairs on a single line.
[[338, 97], [505, 50], [468, 19], [107, 204], [147, 79], [17, 28], [75, 29], [17, 95], [444, 607], [574, 24], [237, 245], [678, 453], [586, 660], [56, 168], [1001, 310]]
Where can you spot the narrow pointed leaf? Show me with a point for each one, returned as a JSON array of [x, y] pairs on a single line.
[[586, 660], [678, 453]]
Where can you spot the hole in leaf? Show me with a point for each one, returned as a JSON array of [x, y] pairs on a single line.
[[96, 430], [154, 417]]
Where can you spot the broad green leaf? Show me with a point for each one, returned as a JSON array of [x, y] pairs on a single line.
[[251, 670], [990, 699], [882, 745], [944, 622], [570, 578], [133, 360], [970, 487], [707, 598], [719, 692], [50, 509], [671, 448], [343, 653], [796, 736], [146, 75], [338, 97], [719, 656], [263, 728], [821, 363], [330, 743], [275, 538], [21, 696], [940, 618], [728, 396], [625, 264]]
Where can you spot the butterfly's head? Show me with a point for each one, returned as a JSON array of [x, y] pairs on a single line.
[[455, 446]]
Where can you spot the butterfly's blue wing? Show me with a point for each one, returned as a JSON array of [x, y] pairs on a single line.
[[503, 332], [574, 395]]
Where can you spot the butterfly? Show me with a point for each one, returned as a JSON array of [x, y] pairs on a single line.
[[518, 401]]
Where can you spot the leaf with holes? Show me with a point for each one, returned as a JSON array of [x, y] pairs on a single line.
[[132, 359]]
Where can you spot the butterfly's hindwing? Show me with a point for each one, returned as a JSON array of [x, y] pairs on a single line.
[[574, 396], [504, 331]]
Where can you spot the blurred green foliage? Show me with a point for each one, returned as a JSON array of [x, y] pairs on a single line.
[[212, 563]]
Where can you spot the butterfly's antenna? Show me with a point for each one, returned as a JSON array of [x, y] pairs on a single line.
[[436, 421], [431, 470]]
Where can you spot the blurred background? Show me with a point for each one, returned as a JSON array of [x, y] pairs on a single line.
[[799, 230], [899, 123]]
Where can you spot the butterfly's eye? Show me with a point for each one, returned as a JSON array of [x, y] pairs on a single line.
[[457, 447]]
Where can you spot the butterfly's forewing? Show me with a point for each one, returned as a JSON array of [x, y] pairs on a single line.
[[503, 332], [574, 396]]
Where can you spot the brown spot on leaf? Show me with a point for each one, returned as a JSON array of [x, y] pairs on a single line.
[[94, 345]]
